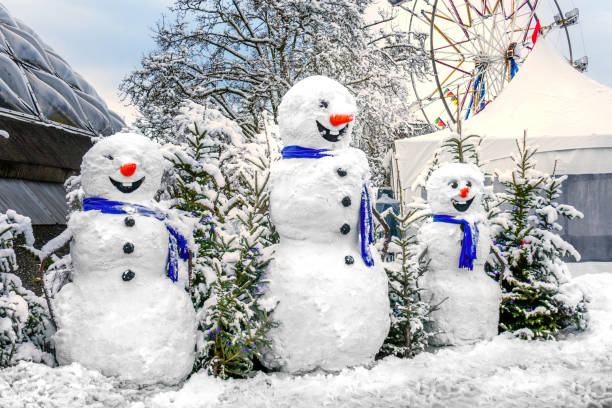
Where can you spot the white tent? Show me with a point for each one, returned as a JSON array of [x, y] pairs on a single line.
[[566, 115]]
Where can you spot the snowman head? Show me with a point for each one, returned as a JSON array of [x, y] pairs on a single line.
[[317, 112], [124, 167], [455, 189]]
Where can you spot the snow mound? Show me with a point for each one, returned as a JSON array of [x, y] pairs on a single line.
[[504, 372]]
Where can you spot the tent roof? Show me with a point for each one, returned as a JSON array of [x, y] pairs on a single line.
[[564, 112]]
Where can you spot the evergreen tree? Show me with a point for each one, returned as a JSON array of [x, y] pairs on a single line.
[[222, 181], [538, 301], [409, 315], [25, 325]]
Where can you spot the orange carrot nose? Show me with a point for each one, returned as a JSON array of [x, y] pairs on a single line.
[[464, 192], [128, 169], [338, 120]]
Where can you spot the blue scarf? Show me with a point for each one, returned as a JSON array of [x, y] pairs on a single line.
[[366, 224], [177, 245], [366, 232], [299, 152], [469, 242]]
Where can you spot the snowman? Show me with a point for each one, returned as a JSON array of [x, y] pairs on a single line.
[[457, 243], [326, 282], [123, 313]]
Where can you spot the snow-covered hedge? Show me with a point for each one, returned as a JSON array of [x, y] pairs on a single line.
[[25, 326]]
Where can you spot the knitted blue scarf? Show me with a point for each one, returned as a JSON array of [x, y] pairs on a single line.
[[468, 243], [177, 245], [299, 152], [366, 225]]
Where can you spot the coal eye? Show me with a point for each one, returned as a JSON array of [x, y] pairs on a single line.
[[109, 157], [323, 103], [469, 184], [453, 184]]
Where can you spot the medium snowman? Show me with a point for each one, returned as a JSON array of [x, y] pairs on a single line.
[[457, 245], [326, 282], [123, 313]]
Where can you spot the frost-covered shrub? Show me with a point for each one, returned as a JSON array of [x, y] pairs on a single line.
[[222, 180], [409, 314], [25, 326], [538, 301]]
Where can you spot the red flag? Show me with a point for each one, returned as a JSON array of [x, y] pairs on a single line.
[[536, 31]]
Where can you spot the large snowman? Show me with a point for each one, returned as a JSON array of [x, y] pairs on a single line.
[[326, 281], [457, 244], [123, 314]]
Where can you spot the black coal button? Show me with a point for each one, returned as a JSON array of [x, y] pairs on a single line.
[[128, 248], [128, 275]]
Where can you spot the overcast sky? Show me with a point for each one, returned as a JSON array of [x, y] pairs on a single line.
[[105, 40]]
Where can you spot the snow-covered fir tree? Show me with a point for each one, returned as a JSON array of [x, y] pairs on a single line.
[[25, 325], [243, 56], [538, 299], [409, 314], [222, 180]]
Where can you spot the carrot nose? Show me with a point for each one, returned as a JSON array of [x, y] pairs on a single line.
[[338, 120], [128, 169], [464, 192]]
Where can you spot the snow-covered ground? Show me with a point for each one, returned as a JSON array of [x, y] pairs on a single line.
[[504, 372]]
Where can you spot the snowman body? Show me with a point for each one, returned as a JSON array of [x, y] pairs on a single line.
[[468, 300], [121, 314], [332, 309]]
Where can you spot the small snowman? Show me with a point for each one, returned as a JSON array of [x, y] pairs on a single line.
[[326, 281], [124, 313], [457, 243]]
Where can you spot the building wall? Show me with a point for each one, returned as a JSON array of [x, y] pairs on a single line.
[[592, 195]]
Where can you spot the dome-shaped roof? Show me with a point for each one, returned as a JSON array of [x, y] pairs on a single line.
[[35, 82]]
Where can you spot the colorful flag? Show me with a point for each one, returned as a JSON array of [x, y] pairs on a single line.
[[452, 96], [440, 123], [536, 31]]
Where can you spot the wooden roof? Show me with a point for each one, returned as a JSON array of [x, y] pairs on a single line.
[[43, 202], [35, 151]]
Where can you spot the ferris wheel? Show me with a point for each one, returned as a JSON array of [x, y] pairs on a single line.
[[476, 48]]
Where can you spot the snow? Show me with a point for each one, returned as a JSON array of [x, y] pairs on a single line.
[[103, 161], [503, 372], [332, 314], [311, 100], [55, 243], [468, 300], [4, 134], [585, 268], [142, 328]]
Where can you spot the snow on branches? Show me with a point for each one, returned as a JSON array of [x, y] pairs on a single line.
[[243, 55], [539, 301], [221, 180], [25, 326]]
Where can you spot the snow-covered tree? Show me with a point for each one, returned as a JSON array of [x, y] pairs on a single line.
[[222, 180], [243, 55], [25, 326], [409, 314], [538, 299]]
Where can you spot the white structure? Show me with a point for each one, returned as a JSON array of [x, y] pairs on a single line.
[[566, 116]]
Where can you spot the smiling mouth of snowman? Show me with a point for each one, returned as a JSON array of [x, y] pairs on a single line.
[[126, 187], [462, 207], [327, 134]]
